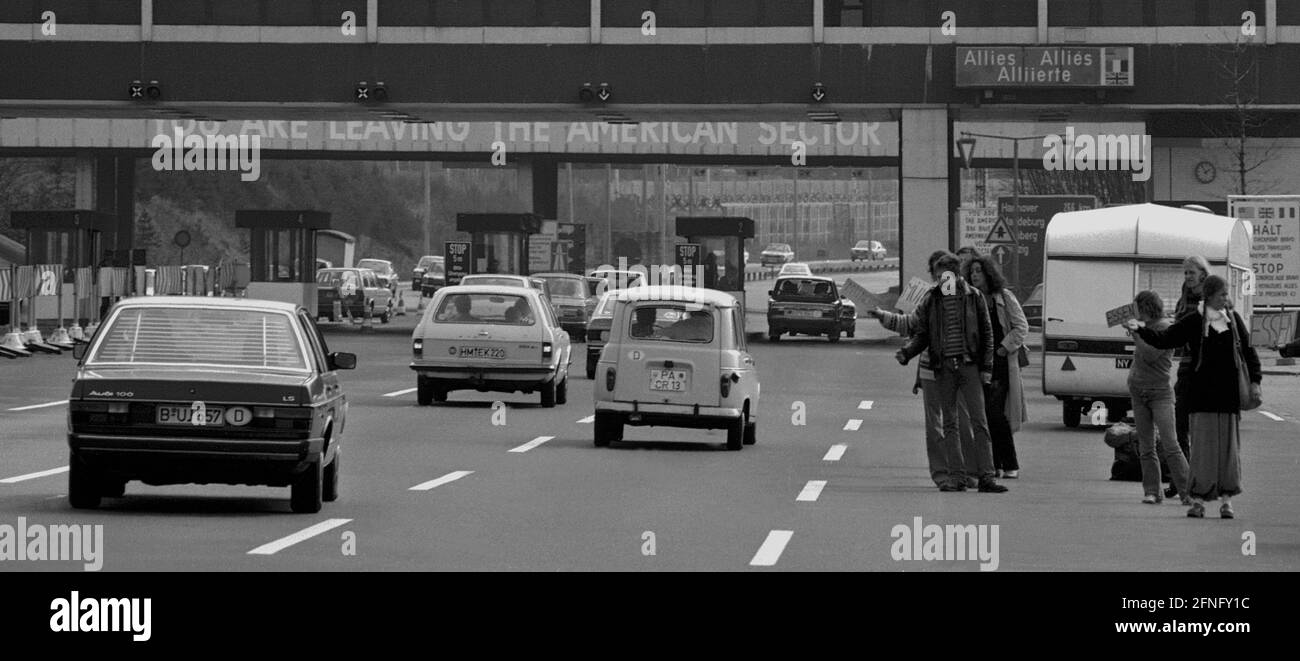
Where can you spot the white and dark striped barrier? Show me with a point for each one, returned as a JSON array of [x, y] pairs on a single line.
[[753, 273]]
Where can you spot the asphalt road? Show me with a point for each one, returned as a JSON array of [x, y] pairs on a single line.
[[534, 494]]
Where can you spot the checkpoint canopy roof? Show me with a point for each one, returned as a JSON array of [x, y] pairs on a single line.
[[527, 223], [715, 226], [63, 219], [282, 219], [1150, 230]]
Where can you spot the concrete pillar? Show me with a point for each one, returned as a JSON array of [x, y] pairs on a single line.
[[546, 188], [84, 189], [924, 204], [115, 194]]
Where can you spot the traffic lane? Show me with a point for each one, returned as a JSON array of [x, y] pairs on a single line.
[[40, 379]]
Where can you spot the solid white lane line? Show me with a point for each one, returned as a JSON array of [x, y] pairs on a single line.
[[399, 393], [811, 491], [40, 406], [306, 533], [866, 404], [852, 425], [449, 477], [33, 476], [772, 548], [532, 444], [835, 453], [1270, 416], [587, 420]]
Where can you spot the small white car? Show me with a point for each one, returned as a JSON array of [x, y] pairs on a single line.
[[676, 357], [795, 268], [868, 250], [490, 339], [776, 253]]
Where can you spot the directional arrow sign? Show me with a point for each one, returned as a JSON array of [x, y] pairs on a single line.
[[1001, 234], [1000, 253]]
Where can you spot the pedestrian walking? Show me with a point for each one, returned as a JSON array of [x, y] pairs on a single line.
[[1004, 401], [1153, 404], [952, 325], [1219, 343]]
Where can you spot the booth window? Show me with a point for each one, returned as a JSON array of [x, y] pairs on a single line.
[[1163, 279], [283, 250]]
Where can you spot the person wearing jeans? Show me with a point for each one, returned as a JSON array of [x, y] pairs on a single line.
[[952, 325], [1153, 405]]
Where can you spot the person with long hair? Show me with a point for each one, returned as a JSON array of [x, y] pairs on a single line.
[[1195, 270], [1219, 342], [1004, 401], [1153, 404]]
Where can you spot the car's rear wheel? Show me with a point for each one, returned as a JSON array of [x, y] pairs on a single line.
[[562, 392], [548, 394], [423, 391], [83, 484], [440, 394], [773, 337], [751, 430], [736, 434], [833, 336], [112, 488], [308, 489], [591, 368], [1070, 413], [331, 489], [608, 428]]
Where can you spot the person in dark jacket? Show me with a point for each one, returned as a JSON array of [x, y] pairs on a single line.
[[953, 327], [1218, 340]]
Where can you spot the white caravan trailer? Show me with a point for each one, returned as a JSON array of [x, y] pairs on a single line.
[[1097, 260]]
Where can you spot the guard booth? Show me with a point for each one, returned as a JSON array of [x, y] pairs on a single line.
[[499, 241], [722, 248], [73, 240], [282, 253]]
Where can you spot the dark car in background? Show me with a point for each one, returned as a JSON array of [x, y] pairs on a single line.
[[602, 318], [384, 270], [435, 267], [808, 305], [571, 295], [1033, 307], [182, 390]]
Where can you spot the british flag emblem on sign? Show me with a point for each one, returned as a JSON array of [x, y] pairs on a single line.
[[1118, 67]]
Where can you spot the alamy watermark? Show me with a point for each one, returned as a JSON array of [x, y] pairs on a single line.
[[37, 542], [181, 151], [949, 543], [1095, 151], [91, 614]]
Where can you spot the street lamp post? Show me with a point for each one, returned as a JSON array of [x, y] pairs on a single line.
[[966, 145]]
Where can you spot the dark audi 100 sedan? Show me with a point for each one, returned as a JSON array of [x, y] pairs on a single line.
[[178, 390]]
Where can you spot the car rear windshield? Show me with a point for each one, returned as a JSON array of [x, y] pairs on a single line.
[[672, 323], [567, 287], [492, 282], [778, 247], [426, 261], [334, 278], [200, 336], [494, 309], [375, 265], [804, 290]]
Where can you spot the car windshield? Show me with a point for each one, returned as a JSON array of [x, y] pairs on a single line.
[[566, 287], [200, 336], [778, 247], [864, 244], [496, 309], [672, 323], [804, 289], [426, 262], [376, 265], [436, 269]]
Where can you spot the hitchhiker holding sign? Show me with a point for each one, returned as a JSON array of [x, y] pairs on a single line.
[[1153, 402]]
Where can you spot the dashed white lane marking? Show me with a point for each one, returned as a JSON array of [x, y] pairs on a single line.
[[532, 444], [306, 533], [33, 476], [1270, 416], [449, 477], [866, 404], [772, 548], [835, 453], [587, 420], [811, 491], [40, 406], [852, 425], [399, 393]]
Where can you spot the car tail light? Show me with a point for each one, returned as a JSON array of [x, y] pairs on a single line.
[[417, 346], [604, 336], [609, 379], [726, 386], [547, 350]]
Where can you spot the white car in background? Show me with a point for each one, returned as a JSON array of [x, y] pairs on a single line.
[[384, 270], [490, 338], [795, 268], [776, 253]]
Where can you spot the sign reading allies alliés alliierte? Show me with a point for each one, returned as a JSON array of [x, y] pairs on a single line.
[[1044, 66]]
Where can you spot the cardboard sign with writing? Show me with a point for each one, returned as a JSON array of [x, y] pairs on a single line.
[[912, 295], [862, 299], [1120, 315]]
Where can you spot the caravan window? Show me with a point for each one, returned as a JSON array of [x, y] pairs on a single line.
[[1165, 280]]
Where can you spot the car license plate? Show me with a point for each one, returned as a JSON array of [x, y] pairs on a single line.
[[482, 352], [805, 313], [184, 415], [1123, 363], [669, 380]]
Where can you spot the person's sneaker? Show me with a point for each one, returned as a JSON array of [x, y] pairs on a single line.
[[1226, 512], [1197, 510], [1171, 491], [989, 486], [1151, 499], [1010, 475]]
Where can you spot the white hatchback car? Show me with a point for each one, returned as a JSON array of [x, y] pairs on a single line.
[[490, 339], [676, 357], [794, 268]]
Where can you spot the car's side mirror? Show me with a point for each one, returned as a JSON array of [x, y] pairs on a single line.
[[343, 361], [771, 292], [79, 351]]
